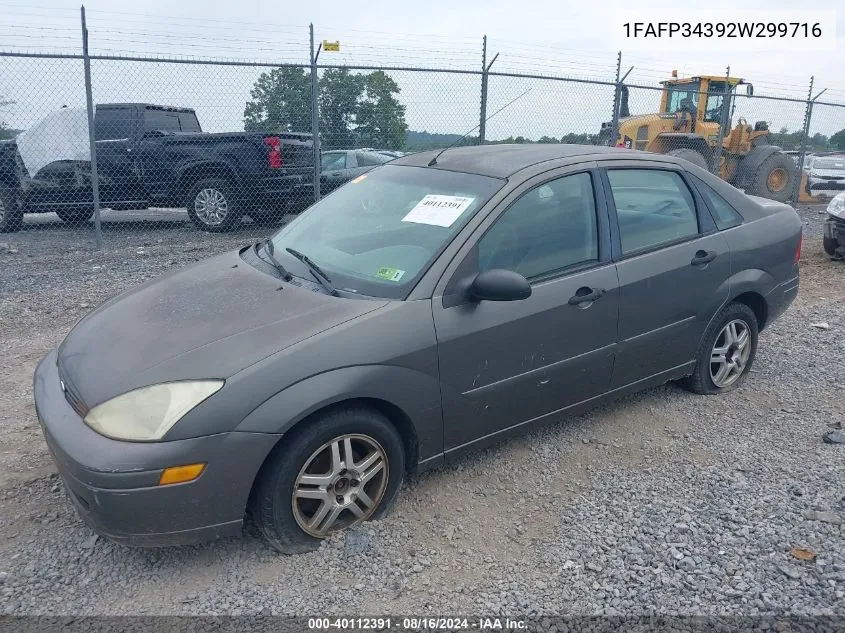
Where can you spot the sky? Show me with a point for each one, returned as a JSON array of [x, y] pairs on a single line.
[[575, 40]]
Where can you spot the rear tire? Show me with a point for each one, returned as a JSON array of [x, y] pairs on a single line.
[[690, 155], [74, 217], [282, 518], [775, 178], [716, 346], [212, 205], [11, 213]]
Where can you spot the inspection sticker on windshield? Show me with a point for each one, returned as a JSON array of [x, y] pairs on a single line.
[[438, 210], [391, 274]]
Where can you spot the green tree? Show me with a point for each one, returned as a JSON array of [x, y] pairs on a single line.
[[547, 139], [381, 118], [340, 94], [837, 141], [281, 102]]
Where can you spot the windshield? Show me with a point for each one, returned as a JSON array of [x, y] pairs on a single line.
[[837, 162], [683, 95], [378, 234]]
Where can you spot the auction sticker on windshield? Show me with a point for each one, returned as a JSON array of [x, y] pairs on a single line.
[[438, 210], [391, 274]]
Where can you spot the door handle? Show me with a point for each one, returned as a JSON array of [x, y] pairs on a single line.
[[703, 257], [585, 295]]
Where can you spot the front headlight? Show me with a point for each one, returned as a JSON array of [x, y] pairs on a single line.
[[836, 208], [148, 413]]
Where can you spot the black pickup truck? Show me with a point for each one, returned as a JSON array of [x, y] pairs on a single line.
[[151, 155]]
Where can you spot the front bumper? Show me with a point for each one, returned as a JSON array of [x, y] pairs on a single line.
[[114, 485], [835, 229]]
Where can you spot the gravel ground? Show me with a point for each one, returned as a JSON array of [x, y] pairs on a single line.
[[664, 502]]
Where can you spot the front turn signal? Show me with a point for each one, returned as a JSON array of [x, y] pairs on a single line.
[[180, 474]]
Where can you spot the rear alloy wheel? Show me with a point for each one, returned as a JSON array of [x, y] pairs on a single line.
[[335, 471], [726, 352], [11, 215], [212, 206]]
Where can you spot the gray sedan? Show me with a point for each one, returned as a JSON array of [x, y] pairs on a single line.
[[430, 307], [340, 166]]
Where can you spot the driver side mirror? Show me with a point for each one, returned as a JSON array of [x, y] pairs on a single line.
[[749, 90], [499, 285]]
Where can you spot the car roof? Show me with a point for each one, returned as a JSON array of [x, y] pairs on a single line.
[[502, 161]]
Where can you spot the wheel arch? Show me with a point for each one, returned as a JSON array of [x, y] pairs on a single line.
[[190, 174], [409, 399]]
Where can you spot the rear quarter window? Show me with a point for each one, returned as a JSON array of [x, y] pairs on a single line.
[[724, 215]]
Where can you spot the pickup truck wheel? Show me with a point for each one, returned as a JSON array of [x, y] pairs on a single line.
[[75, 217], [11, 214], [212, 206]]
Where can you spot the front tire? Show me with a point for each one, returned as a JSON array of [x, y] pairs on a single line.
[[342, 468], [212, 205], [726, 352], [775, 178], [830, 245], [11, 214]]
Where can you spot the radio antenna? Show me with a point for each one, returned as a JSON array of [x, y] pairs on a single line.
[[433, 161]]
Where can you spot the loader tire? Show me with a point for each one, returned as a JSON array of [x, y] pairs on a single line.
[[775, 178], [690, 155]]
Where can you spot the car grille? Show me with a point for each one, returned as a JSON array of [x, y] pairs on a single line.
[[71, 395]]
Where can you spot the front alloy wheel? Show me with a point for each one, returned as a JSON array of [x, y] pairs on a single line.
[[341, 483], [730, 353], [328, 473]]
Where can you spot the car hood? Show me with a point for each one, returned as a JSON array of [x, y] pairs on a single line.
[[827, 173], [210, 320]]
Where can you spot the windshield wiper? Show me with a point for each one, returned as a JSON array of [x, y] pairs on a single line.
[[269, 248], [315, 270]]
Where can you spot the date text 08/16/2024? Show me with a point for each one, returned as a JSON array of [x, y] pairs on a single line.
[[416, 624]]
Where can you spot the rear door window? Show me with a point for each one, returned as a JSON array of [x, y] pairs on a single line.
[[188, 122], [111, 124], [654, 207], [161, 120]]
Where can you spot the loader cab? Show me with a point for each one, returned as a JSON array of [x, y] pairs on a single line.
[[702, 104]]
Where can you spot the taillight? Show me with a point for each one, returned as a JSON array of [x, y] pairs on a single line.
[[274, 151], [798, 250]]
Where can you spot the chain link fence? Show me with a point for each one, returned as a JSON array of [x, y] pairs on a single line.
[[187, 146]]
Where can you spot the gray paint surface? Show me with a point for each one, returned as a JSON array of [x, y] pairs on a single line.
[[460, 373]]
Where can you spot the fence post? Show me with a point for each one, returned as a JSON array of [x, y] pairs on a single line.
[[315, 119], [92, 147], [617, 91], [482, 128], [716, 165], [485, 70], [808, 112]]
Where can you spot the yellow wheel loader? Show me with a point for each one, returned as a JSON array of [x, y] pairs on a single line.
[[692, 113]]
